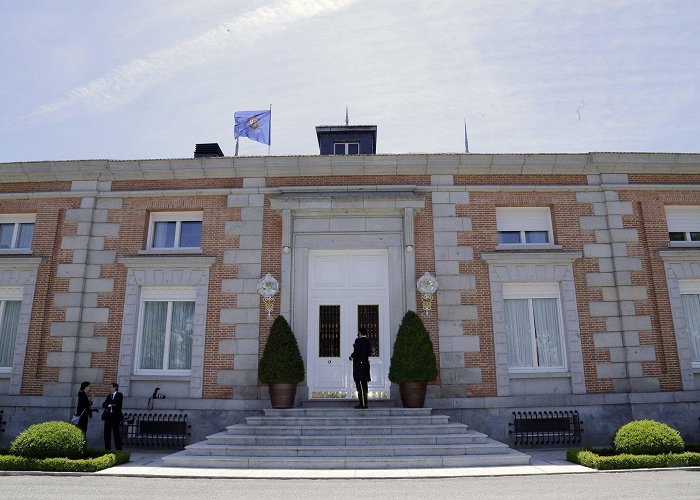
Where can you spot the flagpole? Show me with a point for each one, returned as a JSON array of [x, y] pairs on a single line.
[[269, 137], [466, 142], [236, 153]]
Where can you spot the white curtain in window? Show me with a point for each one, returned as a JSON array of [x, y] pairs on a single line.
[[518, 333], [547, 332], [155, 316], [182, 326], [691, 308], [8, 331]]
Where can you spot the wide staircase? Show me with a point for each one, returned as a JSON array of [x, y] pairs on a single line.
[[345, 438]]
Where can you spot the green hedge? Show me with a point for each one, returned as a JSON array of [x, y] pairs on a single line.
[[96, 460], [49, 440], [281, 361], [647, 437], [413, 358], [603, 460]]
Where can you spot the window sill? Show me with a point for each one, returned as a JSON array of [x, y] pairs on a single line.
[[5, 372], [521, 246], [161, 376], [170, 251], [15, 251], [540, 374], [684, 244]]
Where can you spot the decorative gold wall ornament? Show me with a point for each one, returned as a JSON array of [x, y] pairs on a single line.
[[427, 285], [268, 288]]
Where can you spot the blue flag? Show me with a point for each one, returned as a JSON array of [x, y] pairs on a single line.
[[253, 125]]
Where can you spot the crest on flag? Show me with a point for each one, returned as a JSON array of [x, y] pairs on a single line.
[[254, 125]]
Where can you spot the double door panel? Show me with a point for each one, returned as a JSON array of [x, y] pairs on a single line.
[[337, 311]]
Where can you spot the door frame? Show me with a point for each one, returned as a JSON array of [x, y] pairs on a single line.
[[348, 296]]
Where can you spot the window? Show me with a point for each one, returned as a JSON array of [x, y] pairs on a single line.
[[10, 301], [534, 327], [16, 231], [175, 230], [346, 148], [690, 295], [683, 223], [166, 326], [524, 226]]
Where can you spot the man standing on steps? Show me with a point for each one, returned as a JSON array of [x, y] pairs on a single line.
[[360, 366]]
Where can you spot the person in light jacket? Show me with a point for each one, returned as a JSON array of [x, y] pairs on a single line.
[[362, 348], [112, 417]]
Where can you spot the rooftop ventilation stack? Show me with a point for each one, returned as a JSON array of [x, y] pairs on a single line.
[[208, 150]]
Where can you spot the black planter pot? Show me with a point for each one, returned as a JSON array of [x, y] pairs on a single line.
[[413, 393], [282, 395]]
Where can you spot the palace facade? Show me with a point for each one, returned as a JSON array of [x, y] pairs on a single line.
[[565, 281]]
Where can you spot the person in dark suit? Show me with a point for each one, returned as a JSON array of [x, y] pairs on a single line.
[[112, 417], [362, 348], [84, 409]]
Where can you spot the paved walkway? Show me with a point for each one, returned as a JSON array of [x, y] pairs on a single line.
[[150, 464]]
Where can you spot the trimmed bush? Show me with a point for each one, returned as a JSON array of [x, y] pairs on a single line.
[[595, 459], [50, 440], [647, 437], [413, 358], [98, 460], [281, 360]]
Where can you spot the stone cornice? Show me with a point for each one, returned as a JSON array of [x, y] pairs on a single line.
[[167, 261], [525, 257], [374, 165], [679, 254], [12, 262]]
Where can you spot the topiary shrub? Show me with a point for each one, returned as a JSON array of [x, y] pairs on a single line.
[[647, 437], [413, 358], [50, 440], [281, 360]]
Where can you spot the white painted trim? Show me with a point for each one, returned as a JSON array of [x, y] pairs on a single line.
[[178, 218]]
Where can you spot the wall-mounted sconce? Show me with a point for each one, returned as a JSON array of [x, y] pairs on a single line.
[[427, 285], [268, 288]]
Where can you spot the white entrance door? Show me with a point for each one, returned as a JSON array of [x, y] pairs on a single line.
[[348, 290]]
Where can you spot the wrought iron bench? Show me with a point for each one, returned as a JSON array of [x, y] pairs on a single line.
[[155, 430], [532, 428]]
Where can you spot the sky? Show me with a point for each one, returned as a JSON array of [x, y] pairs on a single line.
[[139, 79]]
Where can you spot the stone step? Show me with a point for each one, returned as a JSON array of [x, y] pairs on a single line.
[[355, 439], [507, 458], [336, 430], [351, 420], [344, 412], [346, 403], [401, 450]]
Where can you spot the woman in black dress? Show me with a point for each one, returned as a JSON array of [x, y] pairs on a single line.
[[83, 408]]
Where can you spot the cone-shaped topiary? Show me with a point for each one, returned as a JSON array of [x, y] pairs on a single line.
[[281, 361], [413, 358], [50, 440], [647, 437]]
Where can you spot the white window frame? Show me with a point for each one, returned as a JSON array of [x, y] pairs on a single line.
[[523, 220], [17, 219], [683, 219], [178, 218], [690, 287], [346, 144], [161, 294], [9, 293], [542, 290]]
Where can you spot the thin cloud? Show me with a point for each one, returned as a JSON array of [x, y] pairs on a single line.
[[128, 81]]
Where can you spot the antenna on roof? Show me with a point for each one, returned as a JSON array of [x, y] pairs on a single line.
[[347, 120]]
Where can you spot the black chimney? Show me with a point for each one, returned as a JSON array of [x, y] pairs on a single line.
[[208, 150]]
